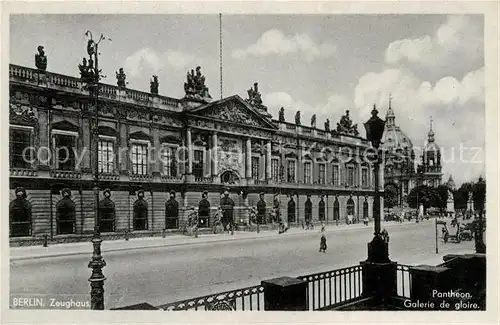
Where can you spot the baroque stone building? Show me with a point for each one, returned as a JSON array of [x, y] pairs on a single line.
[[151, 146], [402, 171]]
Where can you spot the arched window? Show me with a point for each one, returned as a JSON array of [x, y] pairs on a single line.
[[229, 177], [106, 215], [336, 210], [20, 216], [291, 210], [140, 214], [65, 215], [321, 211], [350, 207]]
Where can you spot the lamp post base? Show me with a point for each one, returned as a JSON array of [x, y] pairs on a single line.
[[378, 250]]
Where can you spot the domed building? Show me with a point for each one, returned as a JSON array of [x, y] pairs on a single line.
[[399, 167]]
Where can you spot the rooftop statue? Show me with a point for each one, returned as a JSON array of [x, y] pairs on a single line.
[[255, 99], [346, 127], [154, 85], [297, 118], [282, 115], [313, 121], [120, 78], [327, 125], [41, 59], [194, 87], [86, 70]]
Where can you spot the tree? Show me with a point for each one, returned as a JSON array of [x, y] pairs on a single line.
[[461, 196], [421, 194], [390, 196], [440, 197]]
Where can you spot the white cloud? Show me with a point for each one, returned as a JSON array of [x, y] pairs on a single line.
[[148, 60], [456, 106], [457, 36], [275, 42]]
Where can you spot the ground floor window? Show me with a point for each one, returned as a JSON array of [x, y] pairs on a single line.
[[321, 211], [291, 211], [65, 215], [336, 210], [106, 216], [20, 218], [140, 215]]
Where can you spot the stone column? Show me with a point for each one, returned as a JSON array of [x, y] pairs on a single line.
[[155, 153], [268, 160], [248, 156], [300, 165], [214, 154]]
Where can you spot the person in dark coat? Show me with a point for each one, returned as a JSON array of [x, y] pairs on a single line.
[[322, 242], [171, 212], [65, 214], [20, 214], [227, 205], [261, 209]]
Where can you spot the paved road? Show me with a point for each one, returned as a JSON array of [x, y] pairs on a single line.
[[167, 274]]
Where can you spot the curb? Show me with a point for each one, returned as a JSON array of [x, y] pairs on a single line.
[[32, 257]]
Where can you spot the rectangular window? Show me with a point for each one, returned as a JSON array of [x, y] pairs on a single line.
[[140, 159], [255, 168], [322, 174], [169, 162], [290, 171], [65, 154], [105, 156], [364, 177], [350, 176], [198, 163], [335, 175], [275, 170], [307, 173], [19, 141]]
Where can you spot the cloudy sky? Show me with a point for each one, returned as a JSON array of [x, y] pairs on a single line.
[[433, 65]]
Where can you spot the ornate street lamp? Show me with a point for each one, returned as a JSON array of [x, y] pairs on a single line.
[[377, 249], [90, 75]]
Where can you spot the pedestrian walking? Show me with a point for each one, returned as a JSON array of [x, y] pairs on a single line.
[[323, 227], [322, 244]]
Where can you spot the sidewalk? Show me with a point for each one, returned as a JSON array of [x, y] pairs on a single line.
[[85, 248]]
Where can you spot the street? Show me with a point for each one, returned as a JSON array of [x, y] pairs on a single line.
[[166, 274]]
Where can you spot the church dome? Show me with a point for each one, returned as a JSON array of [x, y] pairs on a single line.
[[394, 138]]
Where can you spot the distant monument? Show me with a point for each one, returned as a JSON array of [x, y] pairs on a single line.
[[470, 204], [450, 204]]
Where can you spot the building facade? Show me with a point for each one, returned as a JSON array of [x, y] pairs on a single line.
[[151, 145], [402, 171]]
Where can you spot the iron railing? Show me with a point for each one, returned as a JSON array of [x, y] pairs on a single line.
[[328, 289], [250, 298], [403, 280]]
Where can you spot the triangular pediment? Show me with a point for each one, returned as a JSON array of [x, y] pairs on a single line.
[[234, 110]]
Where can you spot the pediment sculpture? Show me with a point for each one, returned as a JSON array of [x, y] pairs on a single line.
[[346, 127], [233, 113], [195, 87]]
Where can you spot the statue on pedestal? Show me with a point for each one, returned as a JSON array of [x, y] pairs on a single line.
[[255, 99], [313, 121], [194, 87], [41, 59], [346, 127], [154, 85], [327, 125]]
